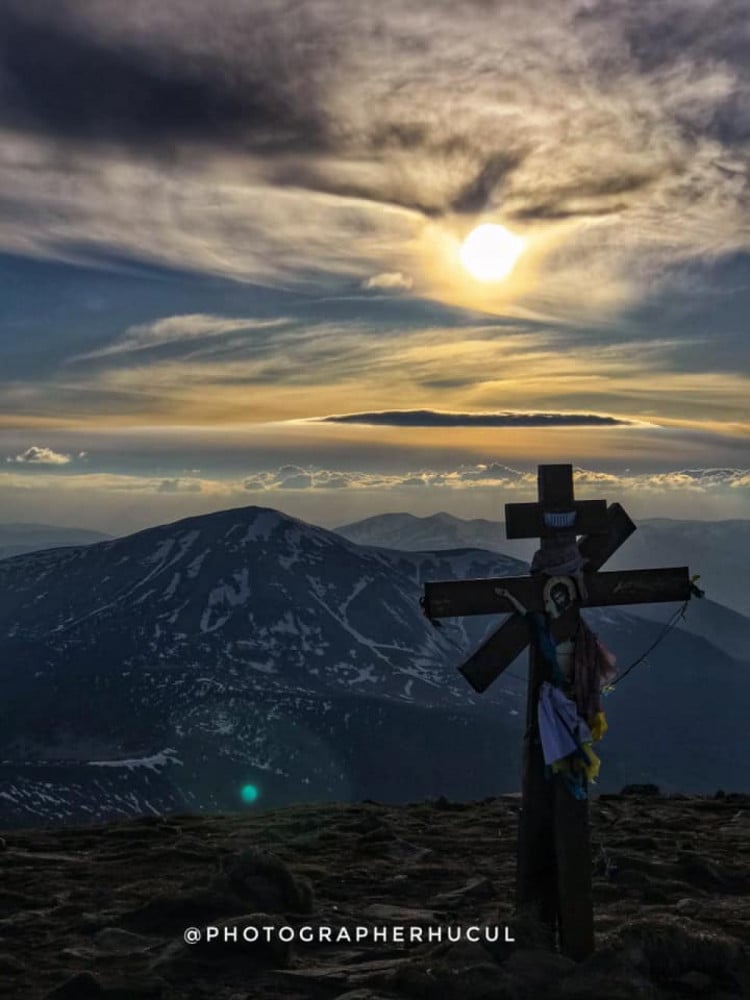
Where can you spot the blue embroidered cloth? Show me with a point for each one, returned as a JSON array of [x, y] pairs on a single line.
[[561, 730]]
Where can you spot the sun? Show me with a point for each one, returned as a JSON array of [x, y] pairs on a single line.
[[490, 252]]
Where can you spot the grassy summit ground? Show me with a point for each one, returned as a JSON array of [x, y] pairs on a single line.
[[100, 911]]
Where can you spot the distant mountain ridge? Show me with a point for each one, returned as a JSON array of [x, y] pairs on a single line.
[[246, 646], [437, 531], [19, 538], [718, 550]]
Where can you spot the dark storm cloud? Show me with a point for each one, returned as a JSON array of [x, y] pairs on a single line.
[[61, 78], [437, 418]]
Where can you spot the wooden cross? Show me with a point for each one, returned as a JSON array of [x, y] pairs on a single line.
[[553, 879]]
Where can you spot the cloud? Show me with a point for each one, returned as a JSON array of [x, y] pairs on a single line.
[[389, 281], [291, 477], [35, 455], [492, 471], [438, 418], [179, 486], [494, 476], [173, 330], [698, 479], [119, 502], [92, 82]]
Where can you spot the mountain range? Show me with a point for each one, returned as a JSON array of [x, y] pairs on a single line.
[[178, 666]]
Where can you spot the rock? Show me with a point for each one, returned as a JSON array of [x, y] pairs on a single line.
[[462, 953], [536, 970], [10, 965], [646, 789], [401, 850], [3, 844], [400, 914], [483, 982], [13, 903], [698, 871], [82, 986], [369, 823], [361, 995], [527, 932], [423, 983], [354, 974], [265, 881], [86, 986], [444, 804], [147, 988], [609, 973], [695, 982], [239, 939], [444, 981], [380, 835], [116, 941], [671, 948], [475, 889], [169, 913]]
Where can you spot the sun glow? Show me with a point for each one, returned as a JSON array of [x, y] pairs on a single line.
[[490, 252]]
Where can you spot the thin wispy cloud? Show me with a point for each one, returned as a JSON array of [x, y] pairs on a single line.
[[174, 330]]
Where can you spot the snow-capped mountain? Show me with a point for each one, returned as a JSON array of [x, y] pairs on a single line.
[[249, 648]]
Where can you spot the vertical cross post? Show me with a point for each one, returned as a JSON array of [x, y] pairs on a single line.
[[553, 881], [536, 866]]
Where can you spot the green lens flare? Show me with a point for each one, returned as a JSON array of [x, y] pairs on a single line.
[[250, 793]]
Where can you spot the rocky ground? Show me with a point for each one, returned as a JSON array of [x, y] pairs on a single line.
[[100, 911]]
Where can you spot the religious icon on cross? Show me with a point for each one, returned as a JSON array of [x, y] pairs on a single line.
[[559, 594]]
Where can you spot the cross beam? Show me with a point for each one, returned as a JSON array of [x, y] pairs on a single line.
[[526, 520], [458, 598]]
